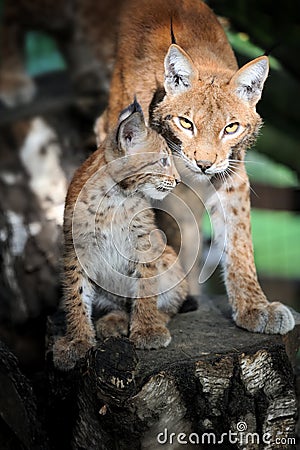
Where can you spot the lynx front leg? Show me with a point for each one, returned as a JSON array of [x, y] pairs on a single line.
[[80, 333], [251, 309], [148, 324]]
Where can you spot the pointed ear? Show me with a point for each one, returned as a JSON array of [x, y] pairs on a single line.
[[180, 71], [132, 108], [248, 81], [131, 133]]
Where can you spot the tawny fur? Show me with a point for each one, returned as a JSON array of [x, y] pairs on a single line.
[[198, 79], [136, 34], [115, 261]]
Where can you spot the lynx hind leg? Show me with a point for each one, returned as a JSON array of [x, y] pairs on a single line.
[[114, 323], [269, 318], [148, 325], [171, 300]]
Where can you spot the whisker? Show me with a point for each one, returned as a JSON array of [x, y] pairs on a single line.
[[236, 165], [177, 150], [226, 175], [235, 173], [246, 161]]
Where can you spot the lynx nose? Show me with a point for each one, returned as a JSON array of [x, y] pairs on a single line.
[[177, 181], [203, 164]]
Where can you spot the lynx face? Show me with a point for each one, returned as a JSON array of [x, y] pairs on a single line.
[[146, 162], [208, 121], [159, 183]]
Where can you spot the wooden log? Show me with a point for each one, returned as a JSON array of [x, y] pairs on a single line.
[[214, 384]]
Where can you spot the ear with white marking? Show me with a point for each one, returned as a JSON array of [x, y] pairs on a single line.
[[132, 129], [248, 81], [179, 71]]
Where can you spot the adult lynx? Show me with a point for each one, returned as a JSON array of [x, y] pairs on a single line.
[[204, 106]]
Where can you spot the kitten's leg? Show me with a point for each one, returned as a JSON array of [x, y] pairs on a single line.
[[148, 324], [173, 286], [251, 309], [80, 333]]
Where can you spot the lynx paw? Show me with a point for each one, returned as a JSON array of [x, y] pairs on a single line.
[[67, 352], [271, 318], [113, 324], [147, 338]]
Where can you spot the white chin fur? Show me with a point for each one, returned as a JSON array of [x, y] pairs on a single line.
[[217, 169], [155, 194]]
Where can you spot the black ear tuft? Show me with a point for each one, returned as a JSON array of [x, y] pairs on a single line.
[[137, 107], [173, 39], [131, 109]]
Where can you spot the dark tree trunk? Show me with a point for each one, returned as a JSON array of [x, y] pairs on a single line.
[[213, 378], [41, 146]]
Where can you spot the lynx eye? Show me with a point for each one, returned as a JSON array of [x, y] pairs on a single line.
[[231, 128], [186, 123]]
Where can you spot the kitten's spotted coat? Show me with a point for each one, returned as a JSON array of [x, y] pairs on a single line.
[[115, 259]]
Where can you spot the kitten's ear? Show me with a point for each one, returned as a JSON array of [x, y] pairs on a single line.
[[248, 81], [134, 107], [132, 129], [180, 71]]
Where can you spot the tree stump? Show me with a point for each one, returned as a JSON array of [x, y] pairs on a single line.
[[216, 385]]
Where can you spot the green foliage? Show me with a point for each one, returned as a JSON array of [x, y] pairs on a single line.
[[262, 169], [276, 243], [42, 54]]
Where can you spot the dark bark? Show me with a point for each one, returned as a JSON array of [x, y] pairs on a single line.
[[39, 154], [211, 377]]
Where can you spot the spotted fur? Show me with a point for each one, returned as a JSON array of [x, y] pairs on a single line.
[[205, 107], [116, 262]]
